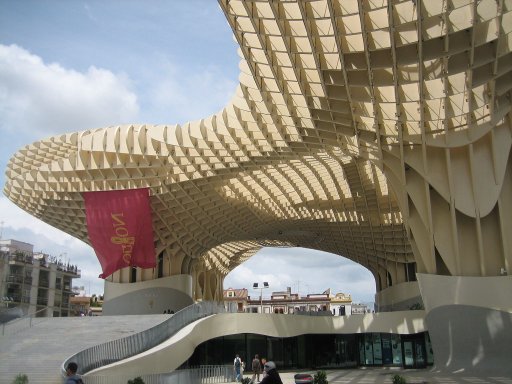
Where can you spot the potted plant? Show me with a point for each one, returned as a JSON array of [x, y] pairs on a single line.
[[137, 380], [20, 378], [397, 379], [320, 378]]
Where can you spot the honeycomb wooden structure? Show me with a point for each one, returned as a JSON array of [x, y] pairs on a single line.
[[372, 129]]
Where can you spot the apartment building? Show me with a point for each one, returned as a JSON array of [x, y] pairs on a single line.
[[289, 302], [34, 282]]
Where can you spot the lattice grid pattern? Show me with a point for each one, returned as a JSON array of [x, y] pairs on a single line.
[[377, 130]]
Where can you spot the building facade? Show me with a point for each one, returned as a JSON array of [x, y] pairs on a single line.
[[287, 302], [375, 130], [320, 351], [236, 299], [36, 283]]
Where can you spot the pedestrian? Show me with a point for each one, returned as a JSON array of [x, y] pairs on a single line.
[[271, 374], [256, 368], [263, 361], [237, 366], [71, 376]]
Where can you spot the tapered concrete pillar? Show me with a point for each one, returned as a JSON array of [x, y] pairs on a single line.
[[469, 320]]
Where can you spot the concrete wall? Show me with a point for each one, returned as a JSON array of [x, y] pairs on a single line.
[[170, 355], [148, 297], [399, 297], [470, 322], [471, 339]]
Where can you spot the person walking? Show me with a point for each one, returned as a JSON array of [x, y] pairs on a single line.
[[263, 361], [256, 368], [271, 374], [237, 366], [71, 376]]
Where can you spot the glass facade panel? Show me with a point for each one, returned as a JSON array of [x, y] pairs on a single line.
[[361, 351], [377, 349], [408, 354], [275, 350], [396, 347], [387, 352], [428, 347], [316, 351], [290, 352], [346, 351], [256, 344], [419, 353], [236, 344], [368, 350]]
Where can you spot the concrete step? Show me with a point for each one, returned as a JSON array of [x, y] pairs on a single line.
[[40, 350]]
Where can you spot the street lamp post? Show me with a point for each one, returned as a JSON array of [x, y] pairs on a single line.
[[256, 286]]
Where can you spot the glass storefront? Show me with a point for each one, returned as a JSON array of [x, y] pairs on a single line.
[[319, 351]]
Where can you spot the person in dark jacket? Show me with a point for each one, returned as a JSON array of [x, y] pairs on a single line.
[[271, 375], [71, 376], [256, 369]]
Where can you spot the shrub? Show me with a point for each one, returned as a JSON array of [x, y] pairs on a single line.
[[21, 378], [320, 378], [397, 379], [137, 380]]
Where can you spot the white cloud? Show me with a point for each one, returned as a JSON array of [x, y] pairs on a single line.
[[39, 99], [14, 217], [174, 94]]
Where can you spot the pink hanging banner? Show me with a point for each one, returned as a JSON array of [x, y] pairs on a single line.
[[120, 229]]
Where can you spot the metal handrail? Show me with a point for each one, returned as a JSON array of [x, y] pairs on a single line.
[[204, 374], [30, 317], [120, 349]]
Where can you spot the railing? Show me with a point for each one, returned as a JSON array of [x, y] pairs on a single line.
[[22, 323], [204, 374], [313, 313], [42, 301], [15, 278], [120, 349]]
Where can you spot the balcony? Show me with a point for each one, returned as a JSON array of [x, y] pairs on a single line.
[[72, 270], [42, 301], [44, 283], [15, 278]]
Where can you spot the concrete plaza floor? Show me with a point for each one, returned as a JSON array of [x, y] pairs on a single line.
[[412, 376]]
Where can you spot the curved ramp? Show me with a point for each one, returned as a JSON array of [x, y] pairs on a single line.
[[171, 354]]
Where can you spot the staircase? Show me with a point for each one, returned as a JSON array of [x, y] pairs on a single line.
[[39, 351]]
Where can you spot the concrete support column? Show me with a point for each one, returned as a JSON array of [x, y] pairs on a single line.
[[469, 320], [148, 297]]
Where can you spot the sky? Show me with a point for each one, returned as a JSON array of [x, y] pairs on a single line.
[[67, 66]]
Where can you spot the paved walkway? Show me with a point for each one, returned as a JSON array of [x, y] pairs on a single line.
[[412, 376]]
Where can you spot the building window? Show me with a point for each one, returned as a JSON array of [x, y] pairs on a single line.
[[133, 277]]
